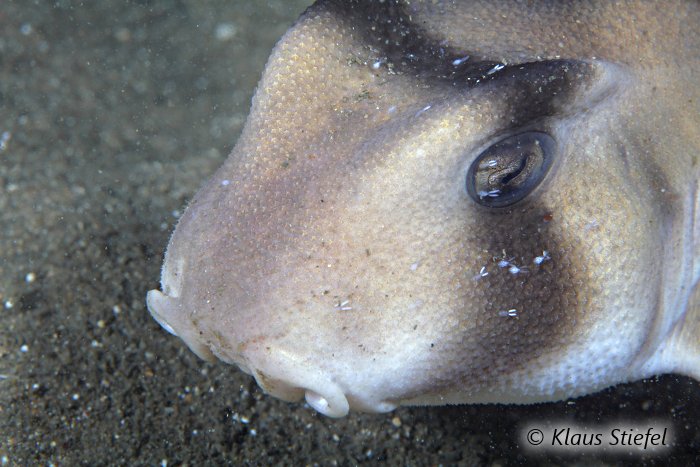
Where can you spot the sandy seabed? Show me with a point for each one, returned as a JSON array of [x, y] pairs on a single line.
[[113, 113]]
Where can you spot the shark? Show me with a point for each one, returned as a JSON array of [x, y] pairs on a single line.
[[447, 202]]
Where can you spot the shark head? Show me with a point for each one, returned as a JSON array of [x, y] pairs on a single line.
[[453, 203]]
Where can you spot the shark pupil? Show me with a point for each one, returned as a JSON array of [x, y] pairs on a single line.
[[510, 169]]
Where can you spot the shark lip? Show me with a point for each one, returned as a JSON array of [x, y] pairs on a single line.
[[321, 393]]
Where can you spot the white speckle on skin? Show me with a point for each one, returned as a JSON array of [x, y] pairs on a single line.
[[225, 182], [8, 304], [514, 269], [4, 139], [509, 313], [24, 348], [591, 225], [378, 63], [415, 265], [424, 109], [225, 31], [482, 273], [489, 194], [75, 396], [495, 69], [459, 61], [541, 259]]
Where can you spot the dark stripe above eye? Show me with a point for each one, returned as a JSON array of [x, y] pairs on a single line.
[[407, 48], [533, 89]]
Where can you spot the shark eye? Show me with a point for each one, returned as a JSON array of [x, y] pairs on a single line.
[[509, 170]]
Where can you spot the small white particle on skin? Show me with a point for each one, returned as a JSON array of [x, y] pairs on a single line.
[[424, 109], [225, 31], [29, 278], [482, 273], [541, 259], [489, 194], [414, 266], [8, 304], [591, 225], [225, 182], [459, 61], [24, 348], [493, 70], [4, 139], [509, 313]]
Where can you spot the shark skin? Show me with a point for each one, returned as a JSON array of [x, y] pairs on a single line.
[[454, 202]]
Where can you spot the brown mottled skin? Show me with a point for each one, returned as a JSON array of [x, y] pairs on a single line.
[[338, 254]]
